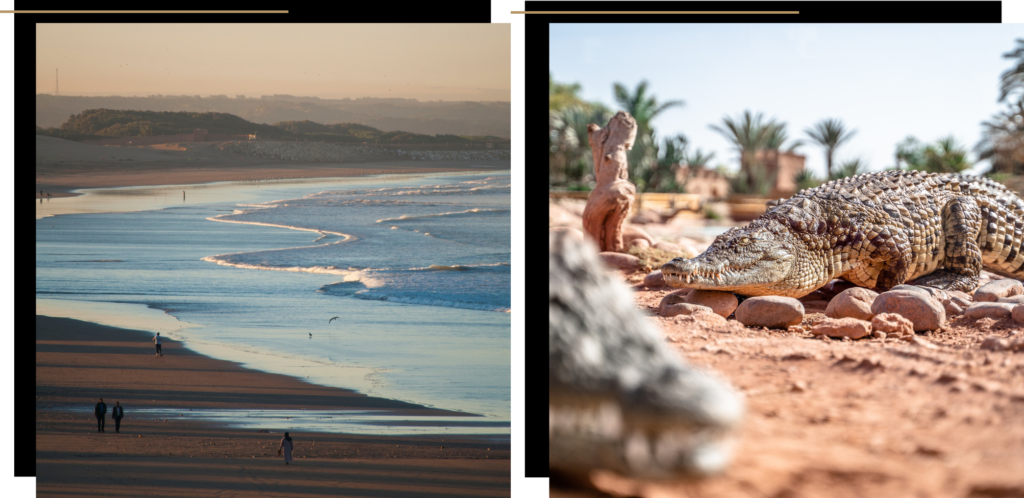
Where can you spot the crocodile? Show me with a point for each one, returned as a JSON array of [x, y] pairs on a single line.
[[619, 398], [876, 230]]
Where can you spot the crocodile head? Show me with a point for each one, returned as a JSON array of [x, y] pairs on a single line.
[[756, 260]]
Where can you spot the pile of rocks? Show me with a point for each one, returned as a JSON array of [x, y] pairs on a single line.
[[328, 152], [856, 312]]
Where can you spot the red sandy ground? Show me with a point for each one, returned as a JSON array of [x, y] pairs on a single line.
[[855, 418]]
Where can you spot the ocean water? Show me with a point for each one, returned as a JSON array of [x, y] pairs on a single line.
[[415, 268]]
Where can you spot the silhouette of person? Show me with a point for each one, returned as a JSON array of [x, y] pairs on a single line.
[[101, 414], [117, 414], [286, 447]]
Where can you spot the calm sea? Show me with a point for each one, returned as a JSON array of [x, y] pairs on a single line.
[[416, 270]]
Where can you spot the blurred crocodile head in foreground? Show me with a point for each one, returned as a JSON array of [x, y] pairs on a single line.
[[620, 399], [876, 230]]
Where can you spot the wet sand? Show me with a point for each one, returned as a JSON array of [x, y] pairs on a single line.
[[78, 362]]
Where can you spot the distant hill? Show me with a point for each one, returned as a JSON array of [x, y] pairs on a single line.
[[412, 116], [107, 123]]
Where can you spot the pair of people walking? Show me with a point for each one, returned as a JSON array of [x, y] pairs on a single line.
[[101, 415], [156, 339]]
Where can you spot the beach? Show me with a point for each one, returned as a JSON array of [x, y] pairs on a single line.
[[400, 398], [78, 362]]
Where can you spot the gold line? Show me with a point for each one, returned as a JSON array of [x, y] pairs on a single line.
[[143, 11], [656, 12]]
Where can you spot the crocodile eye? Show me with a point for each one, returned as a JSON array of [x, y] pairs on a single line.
[[743, 241]]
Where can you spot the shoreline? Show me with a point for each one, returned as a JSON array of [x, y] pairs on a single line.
[[134, 193], [63, 184], [111, 354]]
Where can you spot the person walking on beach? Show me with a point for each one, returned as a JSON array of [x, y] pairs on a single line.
[[156, 339], [101, 414], [286, 447], [117, 414]]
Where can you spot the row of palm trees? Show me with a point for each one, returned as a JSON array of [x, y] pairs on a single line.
[[652, 162], [1002, 141]]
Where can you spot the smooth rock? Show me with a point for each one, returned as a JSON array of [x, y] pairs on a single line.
[[667, 247], [654, 279], [852, 303], [722, 303], [700, 319], [1018, 313], [994, 343], [922, 310], [1013, 299], [683, 309], [674, 297], [938, 294], [645, 216], [990, 310], [892, 324], [775, 312], [570, 232], [640, 243], [842, 327], [621, 261], [996, 289], [559, 216], [631, 233]]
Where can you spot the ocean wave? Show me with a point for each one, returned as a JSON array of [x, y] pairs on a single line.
[[349, 274], [346, 237], [413, 217], [427, 300]]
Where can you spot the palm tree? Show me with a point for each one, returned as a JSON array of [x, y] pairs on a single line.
[[1002, 140], [562, 95], [853, 167], [830, 134], [749, 134], [777, 138], [1013, 78], [644, 109], [946, 156], [697, 159]]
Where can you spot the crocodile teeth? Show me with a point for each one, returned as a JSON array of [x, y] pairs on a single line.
[[687, 278]]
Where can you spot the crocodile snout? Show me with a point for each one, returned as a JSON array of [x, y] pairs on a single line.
[[677, 270]]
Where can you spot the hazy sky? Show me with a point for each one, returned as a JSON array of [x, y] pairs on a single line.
[[421, 61], [886, 80]]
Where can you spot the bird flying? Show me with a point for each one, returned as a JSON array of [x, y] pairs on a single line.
[[310, 335], [332, 319]]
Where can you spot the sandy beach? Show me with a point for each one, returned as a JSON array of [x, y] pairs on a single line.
[[64, 165], [78, 362]]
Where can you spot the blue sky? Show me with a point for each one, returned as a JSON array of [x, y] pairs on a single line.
[[885, 80]]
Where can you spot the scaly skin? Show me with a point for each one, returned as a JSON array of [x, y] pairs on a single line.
[[877, 230], [619, 398]]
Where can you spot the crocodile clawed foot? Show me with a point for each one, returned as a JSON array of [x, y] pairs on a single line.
[[947, 280]]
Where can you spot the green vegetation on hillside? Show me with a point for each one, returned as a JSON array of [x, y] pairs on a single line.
[[107, 123]]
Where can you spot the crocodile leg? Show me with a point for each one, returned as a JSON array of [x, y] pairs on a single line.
[[893, 247], [961, 224]]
